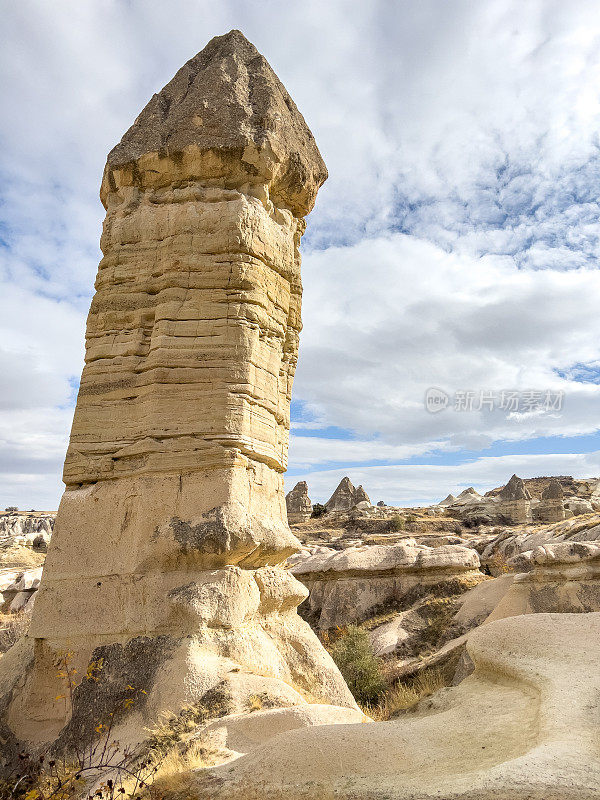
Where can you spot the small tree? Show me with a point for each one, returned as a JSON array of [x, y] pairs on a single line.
[[359, 665], [318, 510], [396, 523]]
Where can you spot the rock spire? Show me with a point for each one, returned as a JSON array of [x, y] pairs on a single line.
[[163, 563]]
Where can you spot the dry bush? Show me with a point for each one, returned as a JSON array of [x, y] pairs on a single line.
[[12, 628], [396, 523], [498, 564], [255, 702], [405, 695]]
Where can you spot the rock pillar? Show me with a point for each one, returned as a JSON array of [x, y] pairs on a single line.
[[174, 511]]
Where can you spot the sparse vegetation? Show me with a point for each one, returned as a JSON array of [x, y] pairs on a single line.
[[318, 510], [12, 628], [101, 767], [396, 523], [361, 668], [405, 695], [498, 564]]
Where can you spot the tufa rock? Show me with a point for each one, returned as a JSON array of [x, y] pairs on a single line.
[[299, 507], [347, 586], [227, 120], [524, 725], [346, 496], [514, 502], [164, 560], [551, 507], [360, 496], [514, 490], [448, 501]]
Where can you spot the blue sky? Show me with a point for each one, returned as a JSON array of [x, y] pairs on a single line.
[[455, 244]]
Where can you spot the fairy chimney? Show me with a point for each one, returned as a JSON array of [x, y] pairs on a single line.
[[514, 502], [299, 507], [163, 563]]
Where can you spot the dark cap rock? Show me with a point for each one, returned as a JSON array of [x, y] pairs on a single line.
[[229, 113]]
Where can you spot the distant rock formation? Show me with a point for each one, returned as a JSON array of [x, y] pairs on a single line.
[[29, 528], [299, 507], [448, 500], [557, 577], [515, 502], [467, 497], [346, 496], [164, 563], [578, 505], [18, 589], [346, 586], [551, 507]]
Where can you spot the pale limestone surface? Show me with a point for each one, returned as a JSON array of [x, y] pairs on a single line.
[[164, 558], [298, 505], [347, 586], [523, 726], [561, 576], [238, 734]]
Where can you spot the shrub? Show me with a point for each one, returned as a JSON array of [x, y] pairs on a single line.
[[318, 510], [361, 668], [411, 518], [396, 523]]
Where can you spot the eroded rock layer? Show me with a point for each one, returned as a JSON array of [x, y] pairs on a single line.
[[174, 513]]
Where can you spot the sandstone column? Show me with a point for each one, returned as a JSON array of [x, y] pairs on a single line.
[[174, 505]]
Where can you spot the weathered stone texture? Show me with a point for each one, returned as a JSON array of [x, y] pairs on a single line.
[[346, 496], [174, 510], [350, 585], [299, 507]]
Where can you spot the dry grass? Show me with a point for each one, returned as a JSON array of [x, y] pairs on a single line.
[[21, 557], [405, 695], [498, 564], [12, 628], [255, 702]]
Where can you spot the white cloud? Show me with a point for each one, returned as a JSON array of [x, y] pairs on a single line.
[[414, 316], [470, 127]]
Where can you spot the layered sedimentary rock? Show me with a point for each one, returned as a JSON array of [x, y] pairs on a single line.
[[448, 500], [514, 502], [467, 496], [350, 585], [298, 505], [162, 564], [29, 528], [551, 507], [561, 576], [346, 496], [523, 726]]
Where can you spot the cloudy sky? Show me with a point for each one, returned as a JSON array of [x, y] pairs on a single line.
[[455, 245]]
